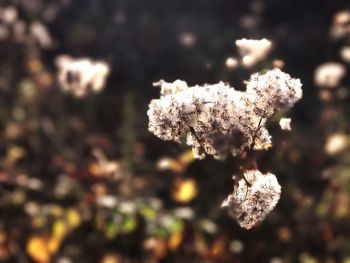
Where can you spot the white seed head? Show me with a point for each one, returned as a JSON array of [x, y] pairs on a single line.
[[219, 120], [249, 204]]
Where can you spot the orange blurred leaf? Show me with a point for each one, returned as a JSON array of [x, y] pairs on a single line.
[[157, 246], [175, 241], [37, 249], [187, 157], [170, 164], [41, 248], [184, 190]]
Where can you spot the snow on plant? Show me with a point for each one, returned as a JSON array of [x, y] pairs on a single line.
[[81, 77], [218, 120]]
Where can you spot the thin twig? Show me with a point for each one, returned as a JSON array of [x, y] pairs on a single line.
[[255, 134], [193, 132]]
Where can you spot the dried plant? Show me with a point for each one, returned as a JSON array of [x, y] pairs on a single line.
[[253, 197], [220, 121]]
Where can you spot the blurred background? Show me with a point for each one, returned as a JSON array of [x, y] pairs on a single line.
[[82, 179]]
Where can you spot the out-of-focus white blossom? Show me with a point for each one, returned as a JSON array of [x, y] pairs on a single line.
[[336, 143], [13, 28], [81, 76], [248, 22], [231, 63], [253, 50], [345, 53], [236, 246], [184, 212], [41, 34], [285, 124], [208, 226], [341, 25], [8, 15], [219, 120], [107, 201], [278, 63], [329, 75], [253, 198]]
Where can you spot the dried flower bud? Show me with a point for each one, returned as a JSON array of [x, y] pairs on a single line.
[[253, 198]]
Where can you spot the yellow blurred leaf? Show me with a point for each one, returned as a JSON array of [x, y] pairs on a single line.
[[187, 157], [39, 221], [59, 228], [218, 247], [73, 218], [56, 210], [14, 153], [176, 166], [175, 241], [54, 244], [37, 249], [184, 190], [111, 259]]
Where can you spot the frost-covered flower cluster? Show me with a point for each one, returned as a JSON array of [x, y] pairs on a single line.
[[219, 120], [81, 76], [253, 50], [253, 198]]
